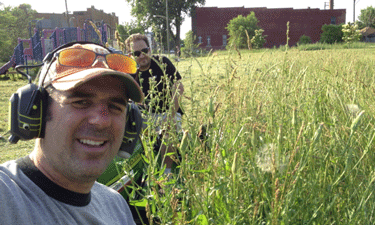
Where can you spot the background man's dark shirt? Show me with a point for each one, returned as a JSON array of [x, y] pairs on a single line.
[[159, 98]]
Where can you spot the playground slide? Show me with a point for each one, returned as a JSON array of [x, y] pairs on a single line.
[[6, 66]]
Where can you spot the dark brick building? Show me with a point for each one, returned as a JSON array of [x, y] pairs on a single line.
[[208, 24]]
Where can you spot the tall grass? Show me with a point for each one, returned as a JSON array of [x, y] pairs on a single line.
[[288, 140]]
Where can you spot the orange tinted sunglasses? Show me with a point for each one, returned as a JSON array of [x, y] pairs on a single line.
[[80, 57]]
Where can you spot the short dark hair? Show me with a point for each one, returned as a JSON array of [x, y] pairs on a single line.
[[135, 37]]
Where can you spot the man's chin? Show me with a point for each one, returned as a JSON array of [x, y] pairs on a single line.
[[144, 67], [92, 173]]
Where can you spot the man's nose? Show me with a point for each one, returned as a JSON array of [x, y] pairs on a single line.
[[99, 116]]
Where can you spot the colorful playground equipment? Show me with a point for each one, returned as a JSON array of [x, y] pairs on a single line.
[[44, 41]]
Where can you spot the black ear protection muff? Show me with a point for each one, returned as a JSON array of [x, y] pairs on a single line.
[[133, 129], [27, 109], [28, 106]]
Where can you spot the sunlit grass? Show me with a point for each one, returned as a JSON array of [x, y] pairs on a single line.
[[298, 104]]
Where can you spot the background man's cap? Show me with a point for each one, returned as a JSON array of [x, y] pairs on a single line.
[[65, 78]]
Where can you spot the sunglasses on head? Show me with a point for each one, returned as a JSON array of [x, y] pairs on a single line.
[[80, 57], [138, 53]]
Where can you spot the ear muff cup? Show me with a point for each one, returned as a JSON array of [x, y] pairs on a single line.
[[27, 110], [133, 130]]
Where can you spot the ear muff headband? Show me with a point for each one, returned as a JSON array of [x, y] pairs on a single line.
[[27, 107]]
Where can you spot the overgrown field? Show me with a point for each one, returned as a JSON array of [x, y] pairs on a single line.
[[289, 139]]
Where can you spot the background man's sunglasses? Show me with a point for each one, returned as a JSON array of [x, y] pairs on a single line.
[[138, 53]]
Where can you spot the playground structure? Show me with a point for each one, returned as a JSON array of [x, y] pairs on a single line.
[[44, 41]]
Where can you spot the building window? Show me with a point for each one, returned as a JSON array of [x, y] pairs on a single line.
[[333, 20], [224, 40], [199, 40], [208, 40]]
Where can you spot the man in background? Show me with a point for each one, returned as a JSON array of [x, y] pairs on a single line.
[[162, 98]]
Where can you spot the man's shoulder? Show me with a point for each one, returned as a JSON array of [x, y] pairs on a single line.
[[8, 169], [161, 59], [101, 191], [12, 179], [111, 200]]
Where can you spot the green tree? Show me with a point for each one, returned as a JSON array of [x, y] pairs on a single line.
[[14, 24], [331, 34], [351, 33], [127, 29], [151, 12], [367, 17], [237, 28], [190, 47], [258, 40], [6, 18]]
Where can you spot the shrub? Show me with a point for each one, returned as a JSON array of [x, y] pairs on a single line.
[[258, 40], [190, 48], [351, 33], [237, 29], [331, 34], [303, 40]]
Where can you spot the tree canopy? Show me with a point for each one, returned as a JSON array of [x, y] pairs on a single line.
[[152, 13], [189, 48], [125, 30], [14, 23], [367, 17], [237, 28]]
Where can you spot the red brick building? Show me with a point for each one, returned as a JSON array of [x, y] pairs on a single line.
[[208, 24], [78, 18]]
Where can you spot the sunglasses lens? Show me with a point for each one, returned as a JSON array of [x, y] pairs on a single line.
[[137, 53], [121, 63], [76, 57]]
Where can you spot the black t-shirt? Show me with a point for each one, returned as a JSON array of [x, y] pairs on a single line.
[[160, 96]]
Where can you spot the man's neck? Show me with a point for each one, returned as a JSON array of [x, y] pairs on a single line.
[[143, 69], [58, 178]]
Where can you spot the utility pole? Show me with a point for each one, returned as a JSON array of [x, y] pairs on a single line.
[[67, 12], [166, 9], [353, 11]]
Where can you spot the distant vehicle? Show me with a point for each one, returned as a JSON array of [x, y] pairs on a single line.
[[171, 51]]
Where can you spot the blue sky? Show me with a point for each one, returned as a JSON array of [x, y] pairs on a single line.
[[122, 9]]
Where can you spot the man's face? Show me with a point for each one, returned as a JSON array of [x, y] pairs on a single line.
[[144, 60], [86, 129]]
